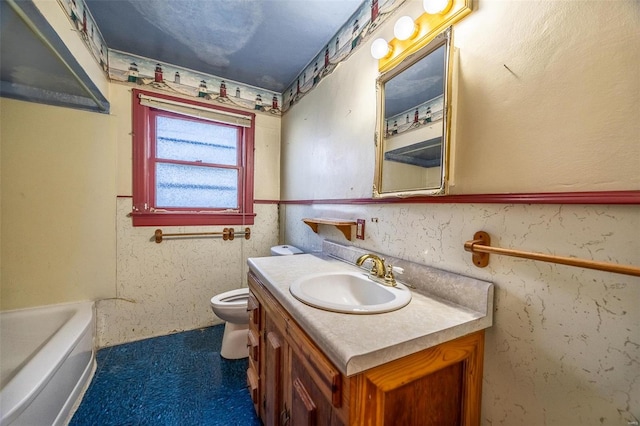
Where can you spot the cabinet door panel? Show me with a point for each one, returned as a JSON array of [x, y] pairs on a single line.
[[273, 379], [254, 310], [323, 373], [252, 385], [309, 394], [435, 400], [303, 410], [254, 345]]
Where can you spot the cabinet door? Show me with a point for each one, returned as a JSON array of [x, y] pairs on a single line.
[[273, 376], [437, 386], [309, 404]]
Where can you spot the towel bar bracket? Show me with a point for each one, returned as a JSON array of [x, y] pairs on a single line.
[[479, 259]]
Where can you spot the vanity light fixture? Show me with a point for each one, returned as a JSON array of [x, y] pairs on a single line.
[[437, 7], [413, 34], [380, 48], [405, 28]]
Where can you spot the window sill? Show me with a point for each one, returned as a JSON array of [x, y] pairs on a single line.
[[191, 219]]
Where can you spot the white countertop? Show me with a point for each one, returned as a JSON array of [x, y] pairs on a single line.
[[355, 343]]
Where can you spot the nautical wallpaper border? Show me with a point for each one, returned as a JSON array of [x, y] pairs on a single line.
[[82, 20], [359, 28], [140, 71]]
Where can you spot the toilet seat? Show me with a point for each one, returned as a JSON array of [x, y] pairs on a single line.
[[231, 306], [232, 299]]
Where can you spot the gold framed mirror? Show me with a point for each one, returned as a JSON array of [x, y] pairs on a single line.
[[413, 122]]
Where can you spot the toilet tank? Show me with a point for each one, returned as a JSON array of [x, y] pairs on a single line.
[[284, 250]]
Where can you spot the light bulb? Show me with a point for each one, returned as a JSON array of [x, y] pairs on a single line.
[[405, 28], [379, 48], [435, 7]]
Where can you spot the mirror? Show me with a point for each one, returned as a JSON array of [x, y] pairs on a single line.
[[413, 123]]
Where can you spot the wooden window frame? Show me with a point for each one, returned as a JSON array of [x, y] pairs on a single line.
[[144, 212]]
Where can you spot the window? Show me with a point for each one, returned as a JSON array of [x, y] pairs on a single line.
[[192, 162]]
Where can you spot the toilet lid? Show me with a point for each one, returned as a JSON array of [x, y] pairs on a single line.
[[285, 250]]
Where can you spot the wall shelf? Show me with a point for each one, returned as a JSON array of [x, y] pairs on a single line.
[[343, 225]]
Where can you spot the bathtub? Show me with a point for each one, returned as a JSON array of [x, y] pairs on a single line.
[[47, 359]]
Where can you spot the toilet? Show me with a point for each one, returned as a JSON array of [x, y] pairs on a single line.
[[231, 306]]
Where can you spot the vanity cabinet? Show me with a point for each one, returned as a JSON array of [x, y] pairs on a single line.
[[293, 383], [253, 342]]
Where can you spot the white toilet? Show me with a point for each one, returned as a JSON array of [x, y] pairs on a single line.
[[231, 306]]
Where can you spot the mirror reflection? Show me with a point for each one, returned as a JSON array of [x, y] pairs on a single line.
[[413, 123]]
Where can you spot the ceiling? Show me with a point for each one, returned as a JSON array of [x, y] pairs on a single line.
[[264, 43]]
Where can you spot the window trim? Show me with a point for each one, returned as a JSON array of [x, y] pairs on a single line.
[[143, 213]]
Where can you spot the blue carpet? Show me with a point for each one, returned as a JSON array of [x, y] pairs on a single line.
[[178, 379]]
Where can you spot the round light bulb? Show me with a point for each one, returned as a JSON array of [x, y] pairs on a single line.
[[405, 28], [379, 48], [435, 7]]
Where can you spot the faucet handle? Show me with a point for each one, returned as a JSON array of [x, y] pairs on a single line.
[[388, 276]]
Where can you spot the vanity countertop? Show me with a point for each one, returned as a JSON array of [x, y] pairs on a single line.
[[355, 343]]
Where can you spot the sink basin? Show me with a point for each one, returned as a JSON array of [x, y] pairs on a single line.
[[349, 292]]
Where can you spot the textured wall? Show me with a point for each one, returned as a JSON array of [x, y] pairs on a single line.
[[564, 346], [166, 287]]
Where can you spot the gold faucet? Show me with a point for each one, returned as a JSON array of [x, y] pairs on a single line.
[[378, 270]]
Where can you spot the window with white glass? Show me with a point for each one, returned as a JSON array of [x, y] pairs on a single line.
[[192, 162]]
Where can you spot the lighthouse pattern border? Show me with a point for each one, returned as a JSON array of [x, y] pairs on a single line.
[[83, 22], [137, 70], [359, 28], [140, 71]]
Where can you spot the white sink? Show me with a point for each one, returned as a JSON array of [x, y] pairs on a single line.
[[349, 292]]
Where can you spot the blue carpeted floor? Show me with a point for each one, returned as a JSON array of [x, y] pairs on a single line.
[[178, 379]]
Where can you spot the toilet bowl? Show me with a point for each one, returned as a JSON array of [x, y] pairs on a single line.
[[231, 306]]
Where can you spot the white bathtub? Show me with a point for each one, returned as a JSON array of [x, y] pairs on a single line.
[[46, 358]]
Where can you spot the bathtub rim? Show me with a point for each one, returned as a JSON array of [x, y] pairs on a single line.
[[26, 385]]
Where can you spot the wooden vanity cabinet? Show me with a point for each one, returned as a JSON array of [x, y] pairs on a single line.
[[297, 384], [253, 342], [293, 383]]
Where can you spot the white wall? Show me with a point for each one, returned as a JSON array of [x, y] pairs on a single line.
[[564, 346], [569, 104]]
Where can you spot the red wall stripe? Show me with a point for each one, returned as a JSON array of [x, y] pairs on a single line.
[[596, 197]]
